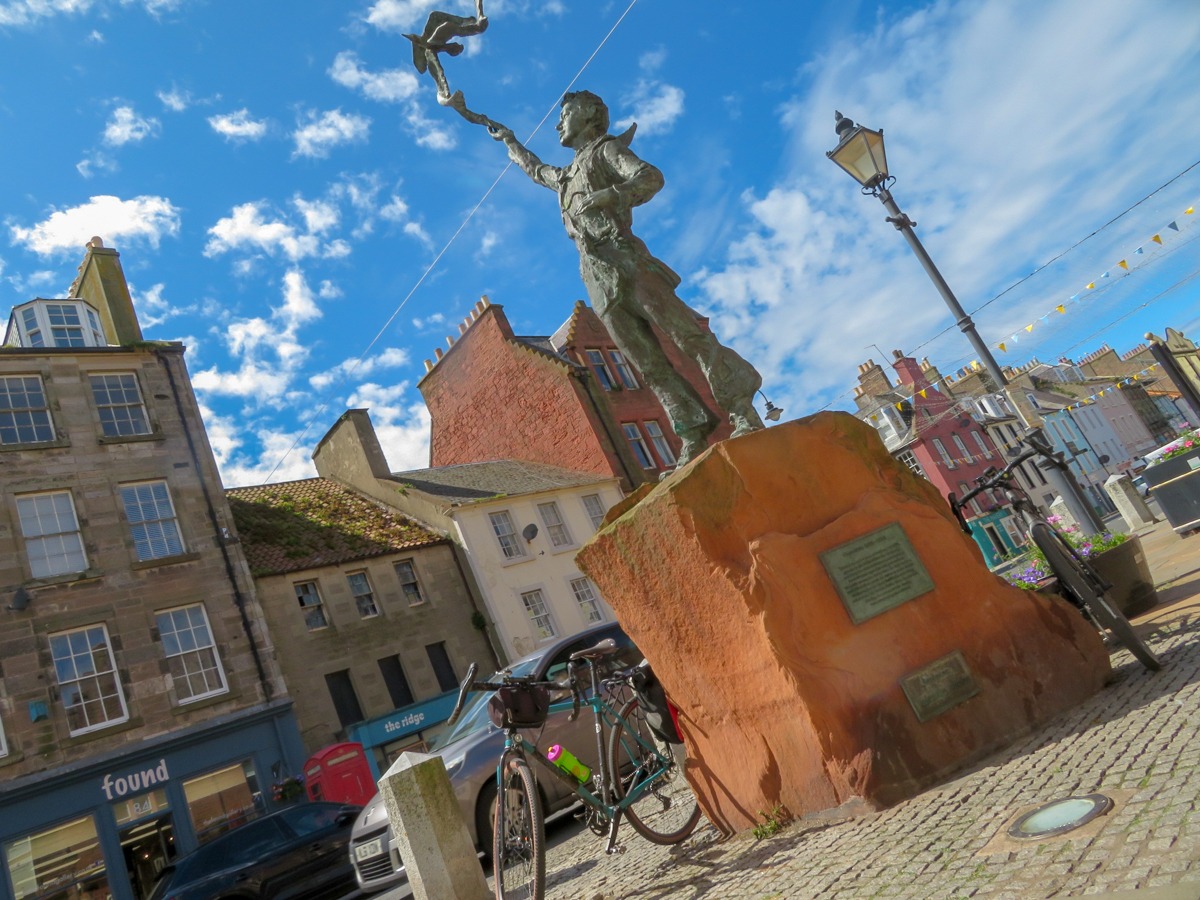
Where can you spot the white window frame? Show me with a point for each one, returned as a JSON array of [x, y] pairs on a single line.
[[538, 610], [25, 407], [191, 652], [600, 368], [588, 599], [910, 459], [659, 440], [74, 642], [637, 443], [946, 457], [962, 448], [121, 391], [371, 609], [506, 535], [593, 505], [310, 608], [556, 526], [409, 587], [51, 531], [152, 520], [624, 369], [982, 445]]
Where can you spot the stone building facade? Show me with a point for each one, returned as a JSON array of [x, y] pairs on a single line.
[[372, 616], [141, 709]]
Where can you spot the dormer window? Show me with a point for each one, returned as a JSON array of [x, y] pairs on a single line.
[[55, 323]]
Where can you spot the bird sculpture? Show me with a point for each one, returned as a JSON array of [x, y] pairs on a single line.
[[437, 38]]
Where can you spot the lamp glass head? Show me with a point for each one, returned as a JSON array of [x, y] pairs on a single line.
[[862, 155]]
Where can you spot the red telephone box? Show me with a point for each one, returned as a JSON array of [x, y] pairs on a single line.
[[340, 773]]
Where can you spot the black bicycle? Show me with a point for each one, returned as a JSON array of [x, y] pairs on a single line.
[[1078, 582]]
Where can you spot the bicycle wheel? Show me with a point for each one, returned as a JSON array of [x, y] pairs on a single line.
[[1083, 583], [518, 835], [666, 812]]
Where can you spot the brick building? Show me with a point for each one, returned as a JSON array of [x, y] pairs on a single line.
[[935, 435], [373, 620], [568, 400], [141, 709]]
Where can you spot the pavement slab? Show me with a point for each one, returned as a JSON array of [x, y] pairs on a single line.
[[1137, 742]]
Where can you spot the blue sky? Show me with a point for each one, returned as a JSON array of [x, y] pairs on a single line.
[[291, 202]]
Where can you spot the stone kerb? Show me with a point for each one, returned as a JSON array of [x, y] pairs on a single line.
[[429, 831], [785, 702]]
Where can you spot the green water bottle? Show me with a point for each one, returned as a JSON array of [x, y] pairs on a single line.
[[565, 760]]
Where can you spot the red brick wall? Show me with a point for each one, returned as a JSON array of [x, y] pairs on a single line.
[[491, 397]]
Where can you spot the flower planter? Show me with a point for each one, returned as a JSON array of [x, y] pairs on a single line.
[[1175, 484], [1126, 567]]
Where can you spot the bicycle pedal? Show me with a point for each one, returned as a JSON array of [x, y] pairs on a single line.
[[618, 850]]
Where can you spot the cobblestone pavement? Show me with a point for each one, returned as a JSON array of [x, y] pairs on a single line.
[[1137, 741]]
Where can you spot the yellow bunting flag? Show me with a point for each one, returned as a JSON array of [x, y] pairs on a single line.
[[1091, 284], [1157, 239], [922, 392], [1029, 328], [1189, 210], [1061, 308], [1124, 265], [1003, 349]]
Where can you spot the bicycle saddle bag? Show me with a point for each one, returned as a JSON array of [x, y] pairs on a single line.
[[653, 701], [519, 706]]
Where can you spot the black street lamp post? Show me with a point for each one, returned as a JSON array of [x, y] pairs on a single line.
[[861, 153]]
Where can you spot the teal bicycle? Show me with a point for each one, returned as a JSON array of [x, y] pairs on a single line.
[[639, 776]]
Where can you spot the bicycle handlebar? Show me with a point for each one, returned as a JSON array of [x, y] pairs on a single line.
[[992, 478], [463, 690]]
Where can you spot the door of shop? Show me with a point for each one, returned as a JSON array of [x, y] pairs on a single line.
[[148, 846]]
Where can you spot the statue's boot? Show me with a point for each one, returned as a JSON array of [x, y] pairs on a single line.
[[694, 442], [745, 419]]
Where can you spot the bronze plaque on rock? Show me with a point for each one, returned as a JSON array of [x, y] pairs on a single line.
[[939, 686], [876, 572]]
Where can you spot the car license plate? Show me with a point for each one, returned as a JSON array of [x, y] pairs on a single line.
[[369, 849]]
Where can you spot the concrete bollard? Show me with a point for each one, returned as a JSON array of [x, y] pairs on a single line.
[[1130, 505], [429, 831]]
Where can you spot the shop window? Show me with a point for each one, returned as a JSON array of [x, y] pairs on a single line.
[[191, 653], [119, 403], [63, 861], [222, 800], [53, 543], [24, 412], [151, 518], [87, 679]]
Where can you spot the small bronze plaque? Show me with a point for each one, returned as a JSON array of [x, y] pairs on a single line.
[[939, 686], [876, 572]]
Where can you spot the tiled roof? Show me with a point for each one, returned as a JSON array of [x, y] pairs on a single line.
[[471, 482], [316, 522]]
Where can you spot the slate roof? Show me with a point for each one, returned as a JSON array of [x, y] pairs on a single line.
[[299, 525], [473, 482]]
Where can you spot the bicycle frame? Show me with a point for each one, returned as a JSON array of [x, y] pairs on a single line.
[[606, 717]]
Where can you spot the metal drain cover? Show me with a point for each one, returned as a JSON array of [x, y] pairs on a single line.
[[1060, 816]]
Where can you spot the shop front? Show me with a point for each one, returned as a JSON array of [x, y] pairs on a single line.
[[386, 737], [105, 827]]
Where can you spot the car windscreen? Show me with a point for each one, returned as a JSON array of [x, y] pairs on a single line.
[[474, 715]]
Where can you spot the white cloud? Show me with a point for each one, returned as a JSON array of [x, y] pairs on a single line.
[[428, 134], [142, 219], [319, 215], [126, 127], [153, 308], [175, 100], [388, 358], [656, 106], [238, 126], [299, 304], [95, 37], [429, 321], [398, 15], [388, 86], [26, 12], [321, 132], [247, 228], [96, 162], [402, 427]]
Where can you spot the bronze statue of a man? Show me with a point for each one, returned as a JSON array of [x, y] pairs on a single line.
[[631, 290]]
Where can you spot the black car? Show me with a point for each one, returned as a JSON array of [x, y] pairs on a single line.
[[300, 851]]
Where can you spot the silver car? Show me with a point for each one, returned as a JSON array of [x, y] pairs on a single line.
[[471, 750]]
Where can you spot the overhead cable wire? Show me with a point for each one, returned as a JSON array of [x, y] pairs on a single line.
[[449, 242]]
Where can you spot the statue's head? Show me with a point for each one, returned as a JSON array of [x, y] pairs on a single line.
[[588, 115]]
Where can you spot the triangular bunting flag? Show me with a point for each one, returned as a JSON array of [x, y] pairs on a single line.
[[1105, 275], [1139, 251], [922, 393], [1091, 284], [1061, 308], [1189, 210], [1003, 349], [1029, 328], [1157, 239], [1173, 227], [1124, 265]]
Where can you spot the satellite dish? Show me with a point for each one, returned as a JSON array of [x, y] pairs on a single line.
[[529, 532]]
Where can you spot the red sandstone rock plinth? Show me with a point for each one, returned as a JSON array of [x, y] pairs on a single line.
[[716, 573]]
